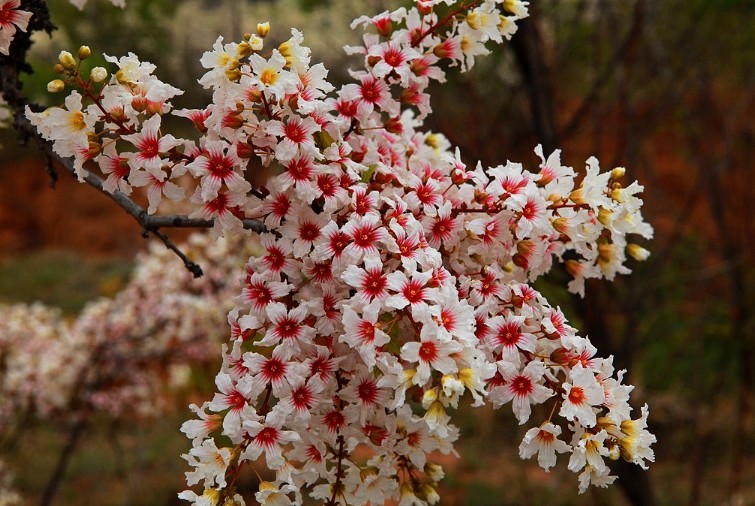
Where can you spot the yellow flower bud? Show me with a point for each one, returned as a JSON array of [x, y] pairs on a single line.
[[66, 59], [637, 252], [263, 29], [617, 173], [84, 52]]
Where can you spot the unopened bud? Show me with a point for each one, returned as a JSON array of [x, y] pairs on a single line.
[[618, 173], [84, 52], [573, 267], [56, 86], [521, 261], [434, 472], [263, 29], [243, 50], [617, 194], [560, 356], [576, 197], [384, 26], [233, 75], [139, 103], [473, 20], [394, 125], [98, 74], [373, 60], [561, 225], [211, 497], [429, 397], [58, 68], [637, 252], [604, 216], [431, 495], [459, 176], [66, 59]]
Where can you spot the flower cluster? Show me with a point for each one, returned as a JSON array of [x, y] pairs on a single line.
[[162, 323], [394, 279]]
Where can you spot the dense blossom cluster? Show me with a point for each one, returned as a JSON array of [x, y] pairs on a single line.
[[394, 280], [149, 334]]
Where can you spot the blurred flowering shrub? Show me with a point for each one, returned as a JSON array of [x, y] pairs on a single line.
[[394, 281]]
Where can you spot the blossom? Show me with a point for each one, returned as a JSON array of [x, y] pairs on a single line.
[[544, 442], [11, 19]]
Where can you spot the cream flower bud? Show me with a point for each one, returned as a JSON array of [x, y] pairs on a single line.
[[637, 252], [56, 86], [263, 29], [98, 74], [66, 59], [84, 52]]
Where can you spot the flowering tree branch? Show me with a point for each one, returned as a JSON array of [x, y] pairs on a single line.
[[10, 89], [391, 270]]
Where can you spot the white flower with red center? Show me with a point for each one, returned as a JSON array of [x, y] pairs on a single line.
[[267, 438], [431, 354], [197, 430], [233, 397], [424, 193], [278, 256], [276, 207], [210, 462], [116, 168], [216, 166], [455, 318], [157, 186], [297, 137], [319, 272], [408, 241], [533, 217], [300, 396], [224, 209], [482, 290], [363, 333], [332, 246], [327, 310], [364, 394], [304, 230], [508, 336], [371, 282], [287, 329], [413, 292], [371, 91], [323, 365], [394, 56], [365, 202], [366, 234], [300, 173], [330, 189], [544, 442], [11, 19], [508, 182], [151, 145], [523, 388], [581, 395], [274, 371], [312, 88], [261, 289], [443, 228]]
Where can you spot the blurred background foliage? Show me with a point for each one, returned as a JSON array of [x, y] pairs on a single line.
[[663, 88]]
